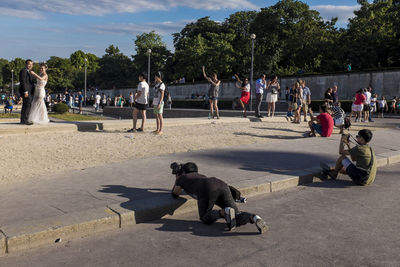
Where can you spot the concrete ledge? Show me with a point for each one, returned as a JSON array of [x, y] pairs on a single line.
[[392, 156], [32, 234]]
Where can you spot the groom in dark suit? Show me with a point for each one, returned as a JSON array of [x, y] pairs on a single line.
[[26, 90]]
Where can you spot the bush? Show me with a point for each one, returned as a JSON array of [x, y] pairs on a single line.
[[60, 108]]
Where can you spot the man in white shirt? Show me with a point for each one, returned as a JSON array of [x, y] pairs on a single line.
[[260, 87], [367, 106], [97, 101], [140, 102]]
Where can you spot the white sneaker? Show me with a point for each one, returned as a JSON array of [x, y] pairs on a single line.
[[260, 224]]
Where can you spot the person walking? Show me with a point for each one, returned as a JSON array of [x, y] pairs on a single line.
[[261, 85], [359, 104], [97, 100], [306, 100], [213, 92], [245, 96], [158, 102]]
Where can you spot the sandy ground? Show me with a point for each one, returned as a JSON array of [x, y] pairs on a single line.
[[36, 155]]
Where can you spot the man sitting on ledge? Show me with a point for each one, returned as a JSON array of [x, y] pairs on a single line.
[[364, 171], [210, 191]]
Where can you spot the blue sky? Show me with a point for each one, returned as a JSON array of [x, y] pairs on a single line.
[[43, 28]]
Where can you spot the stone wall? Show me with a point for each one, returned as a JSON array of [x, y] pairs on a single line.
[[383, 82]]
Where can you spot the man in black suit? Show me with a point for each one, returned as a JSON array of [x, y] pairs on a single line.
[[26, 90]]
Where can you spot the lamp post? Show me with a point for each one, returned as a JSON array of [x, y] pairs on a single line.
[[148, 66], [252, 37], [85, 78], [12, 83]]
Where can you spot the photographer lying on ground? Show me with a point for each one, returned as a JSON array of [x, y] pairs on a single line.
[[209, 191], [322, 124], [364, 171]]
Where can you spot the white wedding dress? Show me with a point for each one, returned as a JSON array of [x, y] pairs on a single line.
[[38, 112]]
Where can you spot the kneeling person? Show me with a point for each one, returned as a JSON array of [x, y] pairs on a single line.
[[210, 191], [363, 172]]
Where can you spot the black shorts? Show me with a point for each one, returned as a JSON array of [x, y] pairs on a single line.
[[354, 174], [367, 107], [140, 106]]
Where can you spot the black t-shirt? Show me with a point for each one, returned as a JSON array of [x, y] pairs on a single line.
[[328, 96], [199, 186]]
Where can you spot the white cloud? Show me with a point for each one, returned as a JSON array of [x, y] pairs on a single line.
[[343, 13], [162, 28], [19, 13], [103, 7]]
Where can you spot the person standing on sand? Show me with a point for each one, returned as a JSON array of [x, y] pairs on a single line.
[[213, 92], [158, 102]]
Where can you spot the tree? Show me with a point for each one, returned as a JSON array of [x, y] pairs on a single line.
[[159, 53], [371, 35], [115, 69], [239, 24], [61, 74], [3, 63], [17, 65]]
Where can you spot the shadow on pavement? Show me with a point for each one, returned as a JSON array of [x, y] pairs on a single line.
[[147, 203], [332, 184], [278, 137], [278, 162], [197, 228]]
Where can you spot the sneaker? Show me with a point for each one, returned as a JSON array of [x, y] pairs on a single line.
[[140, 130], [260, 224], [132, 130], [230, 218], [241, 200]]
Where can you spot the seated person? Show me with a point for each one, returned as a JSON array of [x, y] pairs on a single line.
[[8, 106], [322, 124], [210, 191], [363, 172], [338, 116]]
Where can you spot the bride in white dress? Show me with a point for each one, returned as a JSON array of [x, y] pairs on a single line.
[[38, 112]]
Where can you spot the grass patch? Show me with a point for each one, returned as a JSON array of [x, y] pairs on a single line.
[[74, 117], [9, 116]]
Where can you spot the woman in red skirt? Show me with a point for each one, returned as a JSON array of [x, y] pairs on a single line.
[[245, 97]]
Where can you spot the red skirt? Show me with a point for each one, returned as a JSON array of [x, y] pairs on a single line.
[[245, 97]]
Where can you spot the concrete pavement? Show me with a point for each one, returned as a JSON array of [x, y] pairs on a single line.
[[88, 201], [330, 223]]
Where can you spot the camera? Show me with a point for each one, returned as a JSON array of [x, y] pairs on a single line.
[[176, 168], [347, 136]]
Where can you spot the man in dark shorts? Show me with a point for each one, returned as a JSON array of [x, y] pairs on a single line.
[[210, 191], [362, 154], [140, 102]]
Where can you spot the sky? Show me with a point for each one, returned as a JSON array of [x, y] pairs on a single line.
[[43, 28]]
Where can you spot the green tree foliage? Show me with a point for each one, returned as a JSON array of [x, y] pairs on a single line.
[[158, 56], [17, 65], [204, 42], [115, 69], [61, 74], [372, 38]]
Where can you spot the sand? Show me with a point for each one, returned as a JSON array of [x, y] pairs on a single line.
[[39, 155]]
